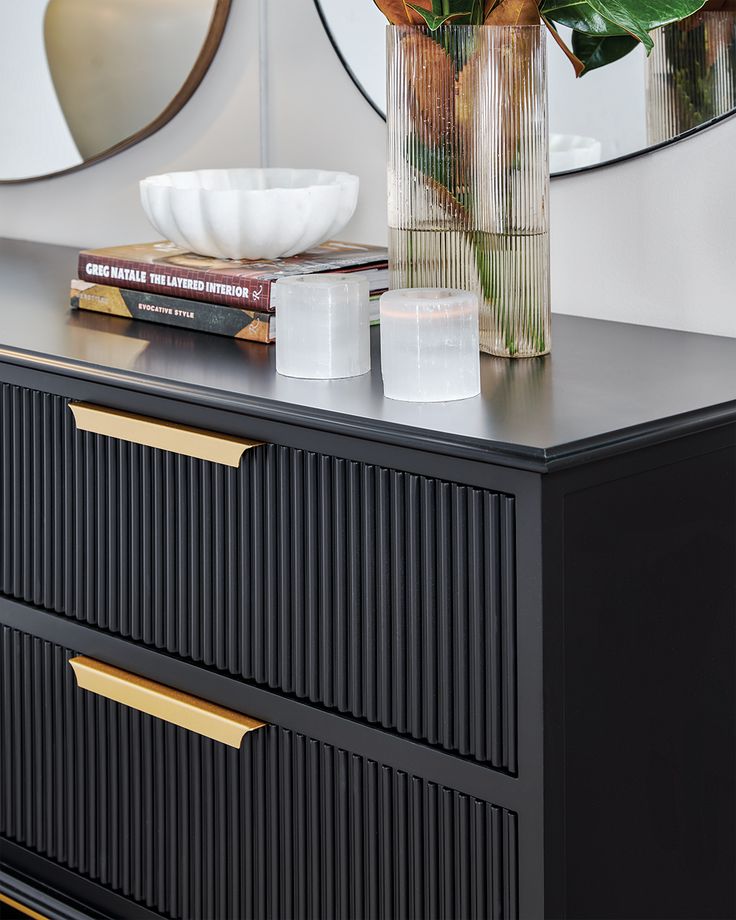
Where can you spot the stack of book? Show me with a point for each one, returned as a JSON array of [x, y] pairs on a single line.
[[163, 283]]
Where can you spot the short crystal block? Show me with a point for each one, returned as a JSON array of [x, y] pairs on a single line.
[[429, 344]]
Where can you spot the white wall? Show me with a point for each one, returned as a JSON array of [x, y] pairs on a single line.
[[652, 240], [318, 117], [649, 241]]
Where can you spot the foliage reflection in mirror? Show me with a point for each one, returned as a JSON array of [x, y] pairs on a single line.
[[691, 76]]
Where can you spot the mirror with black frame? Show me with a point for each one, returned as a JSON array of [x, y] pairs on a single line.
[[687, 83], [83, 79]]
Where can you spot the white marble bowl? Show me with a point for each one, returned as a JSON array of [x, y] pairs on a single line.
[[250, 213]]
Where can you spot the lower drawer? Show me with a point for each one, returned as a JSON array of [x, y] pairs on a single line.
[[283, 827]]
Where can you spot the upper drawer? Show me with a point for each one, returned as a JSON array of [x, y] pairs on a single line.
[[376, 592], [283, 828]]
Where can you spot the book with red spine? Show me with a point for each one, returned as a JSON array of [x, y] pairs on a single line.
[[163, 268]]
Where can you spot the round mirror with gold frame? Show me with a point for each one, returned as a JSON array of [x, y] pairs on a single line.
[[81, 80]]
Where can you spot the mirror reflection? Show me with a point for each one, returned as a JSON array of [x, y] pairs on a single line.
[[79, 77], [634, 103]]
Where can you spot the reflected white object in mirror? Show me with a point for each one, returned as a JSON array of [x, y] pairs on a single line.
[[80, 79], [571, 151], [116, 64]]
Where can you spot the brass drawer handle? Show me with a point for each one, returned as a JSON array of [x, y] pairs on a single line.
[[180, 439], [163, 702], [21, 908]]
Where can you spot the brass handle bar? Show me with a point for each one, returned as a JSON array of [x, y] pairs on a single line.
[[21, 908], [150, 432], [163, 702]]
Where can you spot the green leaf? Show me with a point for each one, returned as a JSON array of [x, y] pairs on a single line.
[[581, 16], [471, 12], [577, 14], [434, 20], [439, 165], [617, 12], [466, 8], [598, 50], [467, 12], [619, 17]]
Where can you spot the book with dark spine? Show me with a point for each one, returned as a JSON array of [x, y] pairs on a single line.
[[173, 311], [163, 268]]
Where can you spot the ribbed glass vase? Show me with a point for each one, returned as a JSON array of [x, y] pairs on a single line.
[[690, 74], [468, 174]]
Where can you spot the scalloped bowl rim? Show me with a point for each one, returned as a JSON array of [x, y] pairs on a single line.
[[228, 213], [334, 178]]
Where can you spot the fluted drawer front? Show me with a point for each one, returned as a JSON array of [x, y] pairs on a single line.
[[379, 593], [285, 827]]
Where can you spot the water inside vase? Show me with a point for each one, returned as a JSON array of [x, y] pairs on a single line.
[[508, 272]]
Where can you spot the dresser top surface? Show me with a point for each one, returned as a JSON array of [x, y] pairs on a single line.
[[605, 388]]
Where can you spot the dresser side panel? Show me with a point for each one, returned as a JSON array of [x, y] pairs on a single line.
[[647, 678]]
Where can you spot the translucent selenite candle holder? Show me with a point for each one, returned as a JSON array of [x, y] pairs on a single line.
[[322, 325], [429, 344]]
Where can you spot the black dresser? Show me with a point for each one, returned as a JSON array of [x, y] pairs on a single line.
[[486, 649]]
